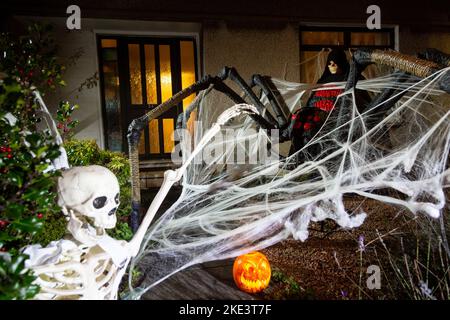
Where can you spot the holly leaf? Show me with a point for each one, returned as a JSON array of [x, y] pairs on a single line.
[[31, 225], [14, 211]]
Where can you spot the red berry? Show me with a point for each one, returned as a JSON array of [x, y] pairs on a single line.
[[307, 126], [40, 215], [8, 149], [3, 223], [9, 156], [316, 118], [60, 125]]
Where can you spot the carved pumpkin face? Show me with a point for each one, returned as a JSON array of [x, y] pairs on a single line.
[[251, 272]]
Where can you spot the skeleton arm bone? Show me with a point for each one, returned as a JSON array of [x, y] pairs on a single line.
[[172, 176]]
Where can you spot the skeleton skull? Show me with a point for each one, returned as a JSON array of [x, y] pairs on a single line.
[[91, 191], [333, 67]]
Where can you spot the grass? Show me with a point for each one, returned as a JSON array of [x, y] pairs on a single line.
[[413, 260]]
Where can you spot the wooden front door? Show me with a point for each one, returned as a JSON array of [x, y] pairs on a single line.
[[145, 72]]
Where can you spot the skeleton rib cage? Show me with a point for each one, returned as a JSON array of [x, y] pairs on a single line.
[[79, 278]]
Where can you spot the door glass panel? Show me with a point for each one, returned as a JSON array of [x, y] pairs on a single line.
[[135, 73], [109, 43], [154, 136], [187, 68], [111, 93], [165, 72], [168, 135], [148, 68], [150, 74]]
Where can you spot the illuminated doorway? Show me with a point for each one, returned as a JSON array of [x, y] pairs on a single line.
[[137, 74]]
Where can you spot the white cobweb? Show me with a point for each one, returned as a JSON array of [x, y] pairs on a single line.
[[228, 208]]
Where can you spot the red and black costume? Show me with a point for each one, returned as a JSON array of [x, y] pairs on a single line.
[[306, 121]]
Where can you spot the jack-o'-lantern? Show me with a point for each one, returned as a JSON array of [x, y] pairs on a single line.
[[251, 272]]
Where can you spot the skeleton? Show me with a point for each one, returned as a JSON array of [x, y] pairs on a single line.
[[89, 264]]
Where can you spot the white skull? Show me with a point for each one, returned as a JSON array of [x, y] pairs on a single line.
[[91, 191]]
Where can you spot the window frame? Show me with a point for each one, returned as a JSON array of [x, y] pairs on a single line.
[[347, 37], [346, 45]]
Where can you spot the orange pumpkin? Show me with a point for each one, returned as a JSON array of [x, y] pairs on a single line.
[[251, 272]]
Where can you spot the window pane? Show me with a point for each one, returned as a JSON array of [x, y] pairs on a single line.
[[109, 54], [135, 74], [109, 43], [165, 72], [154, 136], [150, 74], [168, 135], [322, 38], [111, 93], [187, 68], [370, 38]]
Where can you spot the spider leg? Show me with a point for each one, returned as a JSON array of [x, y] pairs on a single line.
[[273, 96], [385, 100], [436, 56], [432, 59], [137, 125], [220, 86], [344, 105], [409, 65], [440, 58], [233, 75]]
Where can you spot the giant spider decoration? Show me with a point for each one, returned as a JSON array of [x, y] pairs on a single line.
[[279, 117], [90, 265]]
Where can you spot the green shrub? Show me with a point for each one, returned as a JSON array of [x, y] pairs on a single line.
[[27, 192]]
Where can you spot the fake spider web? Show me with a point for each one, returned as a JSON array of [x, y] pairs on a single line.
[[227, 209]]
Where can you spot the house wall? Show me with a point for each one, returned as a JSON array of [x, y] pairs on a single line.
[[252, 50], [414, 41], [269, 49], [70, 42], [272, 50]]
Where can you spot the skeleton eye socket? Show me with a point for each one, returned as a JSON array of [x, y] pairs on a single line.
[[116, 198], [99, 202]]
